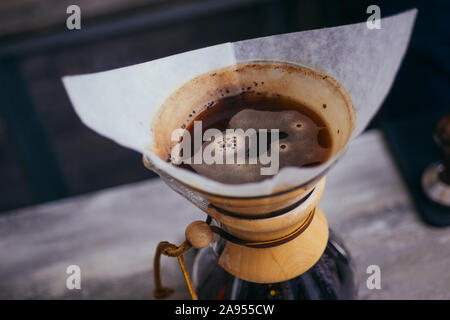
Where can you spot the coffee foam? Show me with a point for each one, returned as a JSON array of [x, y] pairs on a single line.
[[299, 143]]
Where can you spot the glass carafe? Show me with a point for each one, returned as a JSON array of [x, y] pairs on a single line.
[[330, 278]]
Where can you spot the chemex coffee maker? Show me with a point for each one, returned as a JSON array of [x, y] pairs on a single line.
[[260, 243], [262, 239]]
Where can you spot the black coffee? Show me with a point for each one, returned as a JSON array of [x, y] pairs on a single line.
[[304, 138]]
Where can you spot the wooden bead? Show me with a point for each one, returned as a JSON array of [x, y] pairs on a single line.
[[198, 234]]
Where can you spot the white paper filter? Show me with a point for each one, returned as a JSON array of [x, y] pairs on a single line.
[[120, 104]]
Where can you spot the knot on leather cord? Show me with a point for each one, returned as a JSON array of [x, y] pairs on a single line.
[[170, 250]]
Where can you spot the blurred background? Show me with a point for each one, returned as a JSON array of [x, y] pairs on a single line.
[[46, 153]]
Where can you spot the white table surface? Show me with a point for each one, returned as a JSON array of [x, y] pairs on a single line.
[[112, 235]]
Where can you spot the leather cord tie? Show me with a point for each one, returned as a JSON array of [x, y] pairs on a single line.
[[263, 244], [199, 235]]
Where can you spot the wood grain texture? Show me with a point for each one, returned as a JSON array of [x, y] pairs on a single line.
[[112, 236]]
